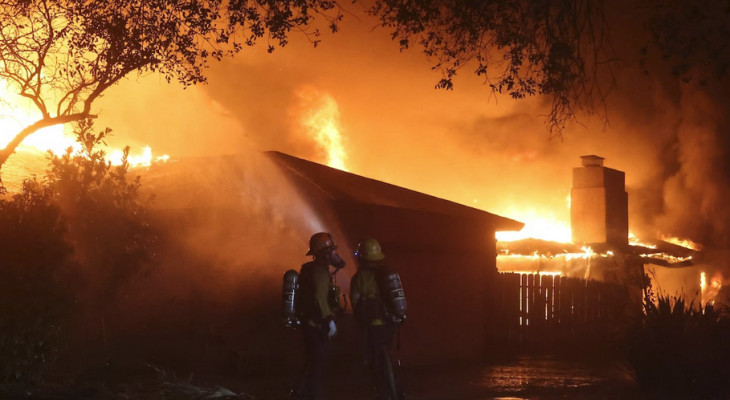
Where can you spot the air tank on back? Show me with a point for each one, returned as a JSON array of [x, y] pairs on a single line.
[[289, 299], [394, 295]]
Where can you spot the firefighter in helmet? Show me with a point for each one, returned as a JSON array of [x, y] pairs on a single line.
[[317, 313], [377, 315]]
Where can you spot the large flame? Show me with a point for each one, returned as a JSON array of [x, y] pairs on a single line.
[[321, 122], [539, 224]]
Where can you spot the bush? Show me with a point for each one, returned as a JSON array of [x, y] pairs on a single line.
[[67, 245], [682, 349], [108, 222], [34, 302]]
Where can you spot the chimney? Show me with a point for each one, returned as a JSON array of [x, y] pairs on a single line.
[[599, 204]]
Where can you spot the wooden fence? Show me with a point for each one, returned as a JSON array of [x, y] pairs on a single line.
[[533, 308]]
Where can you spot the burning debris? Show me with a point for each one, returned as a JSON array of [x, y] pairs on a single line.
[[601, 248]]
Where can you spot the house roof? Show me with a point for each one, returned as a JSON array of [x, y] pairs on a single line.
[[340, 185]]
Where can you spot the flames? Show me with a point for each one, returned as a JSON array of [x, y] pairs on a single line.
[[542, 224], [317, 119], [16, 113], [635, 241], [137, 160], [710, 291], [537, 226], [682, 242], [320, 121]]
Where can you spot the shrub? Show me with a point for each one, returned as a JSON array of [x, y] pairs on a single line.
[[682, 348], [108, 223], [67, 245], [35, 303]]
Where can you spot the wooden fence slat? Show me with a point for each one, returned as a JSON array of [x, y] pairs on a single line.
[[548, 282], [524, 296], [542, 309]]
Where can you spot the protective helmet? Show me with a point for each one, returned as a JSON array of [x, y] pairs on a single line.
[[369, 250], [320, 241]]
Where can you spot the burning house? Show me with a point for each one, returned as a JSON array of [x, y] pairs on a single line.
[[600, 248], [246, 222], [599, 256], [599, 229], [444, 251]]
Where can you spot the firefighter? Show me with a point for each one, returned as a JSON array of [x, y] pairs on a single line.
[[377, 315], [317, 313]]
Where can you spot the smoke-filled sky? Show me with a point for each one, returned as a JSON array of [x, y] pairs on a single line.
[[465, 145]]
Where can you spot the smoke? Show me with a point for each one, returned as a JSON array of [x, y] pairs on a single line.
[[146, 111], [236, 214], [465, 145], [696, 194]]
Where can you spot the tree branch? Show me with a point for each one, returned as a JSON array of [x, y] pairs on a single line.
[[34, 127]]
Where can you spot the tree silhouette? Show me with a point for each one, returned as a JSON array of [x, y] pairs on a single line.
[[563, 48], [63, 54]]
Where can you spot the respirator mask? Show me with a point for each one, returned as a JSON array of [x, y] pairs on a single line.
[[335, 260]]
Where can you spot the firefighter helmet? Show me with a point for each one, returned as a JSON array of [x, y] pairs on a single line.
[[320, 241], [369, 250]]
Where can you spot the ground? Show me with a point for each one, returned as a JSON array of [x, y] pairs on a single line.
[[525, 377], [543, 377]]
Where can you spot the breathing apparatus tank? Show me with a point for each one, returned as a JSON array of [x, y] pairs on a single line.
[[291, 284], [395, 297]]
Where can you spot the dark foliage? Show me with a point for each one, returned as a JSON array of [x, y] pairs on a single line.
[[681, 349], [68, 244], [35, 304], [108, 222], [564, 48], [692, 36], [521, 48]]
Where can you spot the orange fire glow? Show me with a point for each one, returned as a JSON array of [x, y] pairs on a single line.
[[635, 241], [539, 224], [16, 113], [682, 242], [142, 160], [709, 292], [321, 122]]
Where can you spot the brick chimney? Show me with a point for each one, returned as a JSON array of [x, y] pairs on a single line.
[[599, 204]]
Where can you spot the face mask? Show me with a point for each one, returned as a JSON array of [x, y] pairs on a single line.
[[336, 260]]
